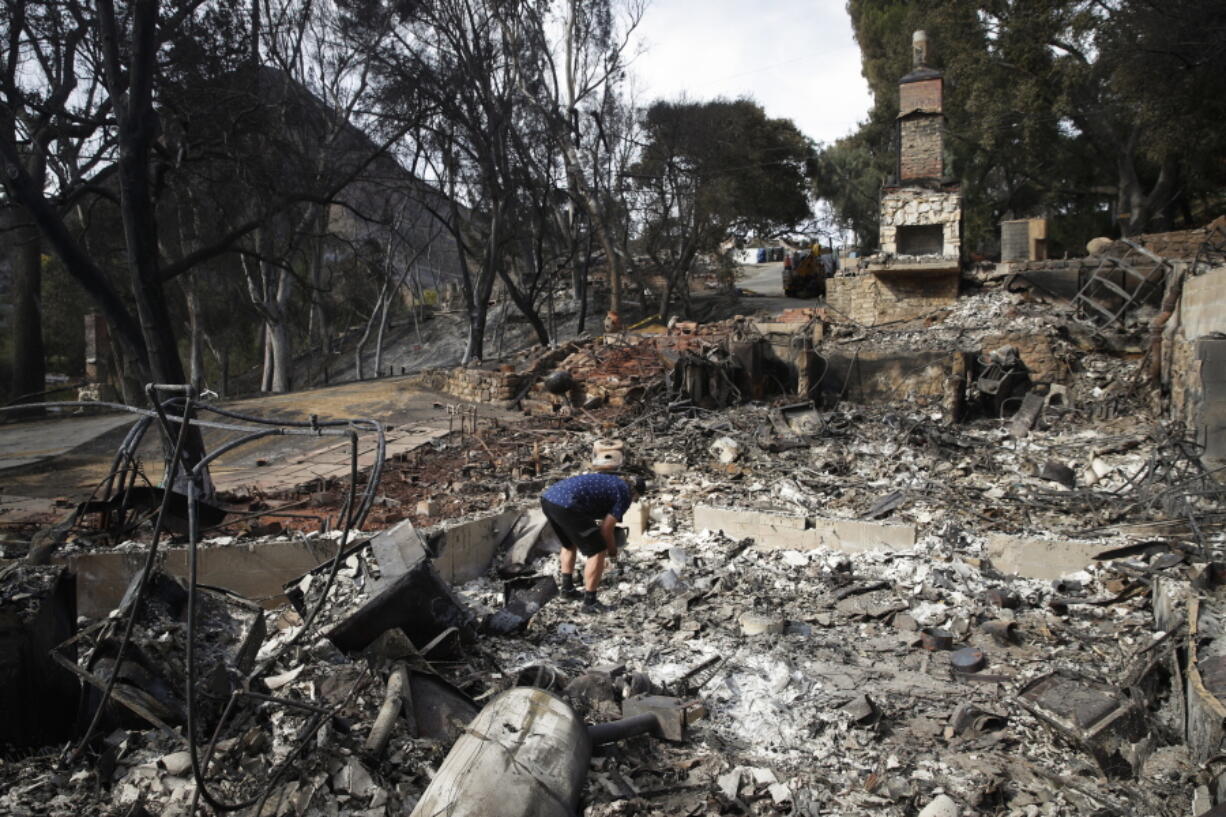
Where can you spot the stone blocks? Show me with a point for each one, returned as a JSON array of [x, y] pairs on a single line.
[[870, 300], [916, 206], [482, 385]]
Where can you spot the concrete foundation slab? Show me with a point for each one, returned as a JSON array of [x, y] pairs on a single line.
[[465, 551], [637, 520], [1202, 309], [396, 550], [1040, 558], [260, 571], [779, 531], [1211, 430], [256, 572]]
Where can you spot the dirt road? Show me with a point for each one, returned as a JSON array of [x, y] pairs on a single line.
[[766, 282]]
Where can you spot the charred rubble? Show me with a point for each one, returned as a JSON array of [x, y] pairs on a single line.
[[968, 561]]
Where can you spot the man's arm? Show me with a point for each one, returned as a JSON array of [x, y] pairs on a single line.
[[607, 528]]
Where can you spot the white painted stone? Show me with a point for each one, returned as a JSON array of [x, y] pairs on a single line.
[[726, 449], [176, 763], [730, 783], [941, 806], [757, 624], [780, 793]]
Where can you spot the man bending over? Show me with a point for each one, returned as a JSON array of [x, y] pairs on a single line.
[[584, 511]]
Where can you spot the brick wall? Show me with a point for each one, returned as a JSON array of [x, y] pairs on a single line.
[[922, 96], [921, 147], [870, 300]]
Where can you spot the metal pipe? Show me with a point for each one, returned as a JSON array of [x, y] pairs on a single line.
[[613, 731]]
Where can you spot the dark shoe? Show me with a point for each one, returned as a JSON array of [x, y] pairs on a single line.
[[595, 607], [570, 594]]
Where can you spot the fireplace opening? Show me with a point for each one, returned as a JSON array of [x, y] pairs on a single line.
[[925, 239]]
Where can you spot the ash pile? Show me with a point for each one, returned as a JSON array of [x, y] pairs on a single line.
[[954, 566]]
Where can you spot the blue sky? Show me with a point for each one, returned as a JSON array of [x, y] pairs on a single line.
[[797, 58]]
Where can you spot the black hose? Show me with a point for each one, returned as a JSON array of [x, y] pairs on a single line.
[[613, 731], [134, 610], [352, 515]]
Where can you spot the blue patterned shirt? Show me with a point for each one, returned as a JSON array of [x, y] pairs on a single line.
[[592, 494]]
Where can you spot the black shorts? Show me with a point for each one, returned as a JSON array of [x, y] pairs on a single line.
[[574, 529]]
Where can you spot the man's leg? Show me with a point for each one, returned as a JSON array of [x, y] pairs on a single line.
[[567, 527], [593, 569], [566, 559]]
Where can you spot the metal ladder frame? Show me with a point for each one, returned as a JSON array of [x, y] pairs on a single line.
[[1099, 316]]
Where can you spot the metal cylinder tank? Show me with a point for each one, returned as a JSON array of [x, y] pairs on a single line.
[[526, 754]]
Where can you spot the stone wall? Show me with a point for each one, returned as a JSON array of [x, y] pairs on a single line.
[[1180, 357], [473, 385], [1037, 352], [483, 386], [1064, 277], [920, 378], [914, 206], [921, 147], [870, 300], [1178, 244]]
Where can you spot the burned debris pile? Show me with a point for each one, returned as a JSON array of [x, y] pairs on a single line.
[[969, 562], [38, 611]]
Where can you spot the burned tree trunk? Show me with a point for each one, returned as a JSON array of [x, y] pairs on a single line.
[[29, 357], [319, 319], [196, 329]]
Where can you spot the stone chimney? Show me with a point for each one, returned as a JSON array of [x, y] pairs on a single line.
[[921, 119], [918, 268]]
